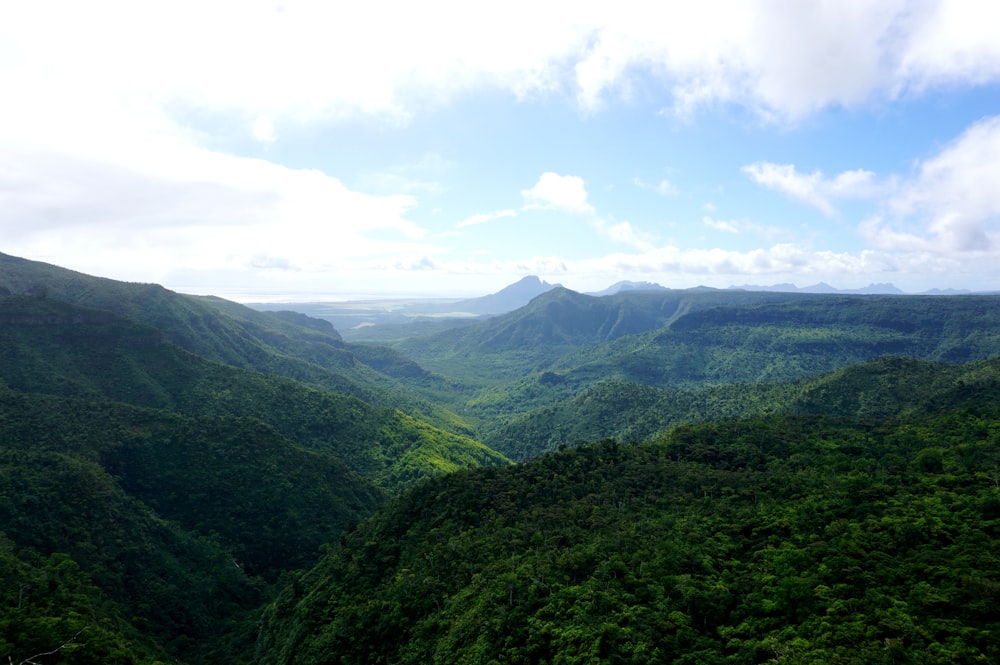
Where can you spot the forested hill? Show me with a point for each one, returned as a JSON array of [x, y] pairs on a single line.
[[151, 497], [279, 343], [560, 321], [628, 352], [136, 535], [798, 540], [646, 334], [56, 348], [891, 386], [184, 480]]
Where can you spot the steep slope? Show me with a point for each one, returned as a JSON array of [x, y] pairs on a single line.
[[779, 539], [222, 476], [307, 350], [507, 299], [627, 411], [52, 347], [750, 343], [557, 323], [793, 339], [51, 607], [93, 566]]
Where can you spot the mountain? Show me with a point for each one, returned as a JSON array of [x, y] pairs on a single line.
[[563, 344], [185, 480], [947, 292], [890, 387], [556, 323], [506, 299], [823, 287], [280, 343], [618, 287], [56, 348], [151, 495], [770, 540]]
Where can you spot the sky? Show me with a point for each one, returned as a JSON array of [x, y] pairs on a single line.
[[307, 150]]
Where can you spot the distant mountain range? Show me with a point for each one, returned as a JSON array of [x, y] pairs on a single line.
[[626, 285], [883, 288], [385, 320]]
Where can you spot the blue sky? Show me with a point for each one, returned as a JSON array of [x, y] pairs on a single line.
[[297, 149]]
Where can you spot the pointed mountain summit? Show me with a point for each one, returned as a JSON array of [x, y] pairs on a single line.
[[507, 299]]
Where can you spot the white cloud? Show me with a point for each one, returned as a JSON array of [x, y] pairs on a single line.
[[420, 176], [626, 234], [813, 188], [100, 166], [268, 262], [483, 217], [317, 61], [719, 266], [720, 225], [952, 205], [560, 192], [742, 226], [263, 130], [950, 42], [664, 187], [187, 209], [788, 60]]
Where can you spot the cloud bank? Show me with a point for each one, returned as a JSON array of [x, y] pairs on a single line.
[[104, 155]]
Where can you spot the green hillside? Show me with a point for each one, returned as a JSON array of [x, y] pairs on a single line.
[[56, 348], [151, 498], [556, 323], [142, 535], [793, 339], [564, 344], [185, 480], [285, 344], [231, 477], [888, 387], [765, 541]]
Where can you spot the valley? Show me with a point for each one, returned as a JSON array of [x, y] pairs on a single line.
[[650, 475]]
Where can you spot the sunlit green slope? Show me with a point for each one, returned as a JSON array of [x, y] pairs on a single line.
[[780, 539], [52, 347]]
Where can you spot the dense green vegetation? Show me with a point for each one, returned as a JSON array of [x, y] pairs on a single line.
[[791, 540], [53, 347], [274, 343], [177, 523], [152, 496], [557, 323], [50, 607], [566, 346], [229, 477], [186, 480], [890, 386]]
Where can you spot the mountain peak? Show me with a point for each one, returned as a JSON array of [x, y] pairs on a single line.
[[509, 298], [530, 283]]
